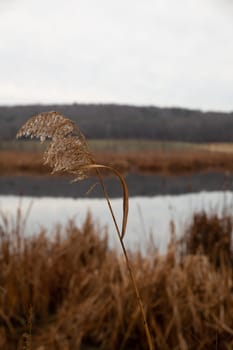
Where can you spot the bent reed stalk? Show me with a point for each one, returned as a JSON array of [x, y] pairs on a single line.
[[68, 152]]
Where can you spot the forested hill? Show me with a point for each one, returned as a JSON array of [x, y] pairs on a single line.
[[119, 121]]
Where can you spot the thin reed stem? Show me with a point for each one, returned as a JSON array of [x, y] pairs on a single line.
[[128, 264]]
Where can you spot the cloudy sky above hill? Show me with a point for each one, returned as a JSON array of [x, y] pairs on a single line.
[[151, 52]]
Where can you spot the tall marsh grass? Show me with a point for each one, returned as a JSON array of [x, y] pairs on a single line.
[[80, 294]]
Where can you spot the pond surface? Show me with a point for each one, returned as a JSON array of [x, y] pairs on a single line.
[[138, 184], [148, 216]]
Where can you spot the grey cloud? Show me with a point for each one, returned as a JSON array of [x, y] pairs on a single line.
[[143, 53]]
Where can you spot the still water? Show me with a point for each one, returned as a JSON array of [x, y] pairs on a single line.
[[149, 217]]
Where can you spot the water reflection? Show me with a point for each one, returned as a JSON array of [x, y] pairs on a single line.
[[139, 185]]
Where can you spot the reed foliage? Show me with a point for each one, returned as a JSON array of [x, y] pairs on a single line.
[[80, 294], [152, 162]]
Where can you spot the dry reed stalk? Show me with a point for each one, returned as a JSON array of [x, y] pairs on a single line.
[[68, 152], [82, 295], [25, 341]]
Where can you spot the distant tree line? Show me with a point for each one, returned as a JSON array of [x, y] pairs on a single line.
[[122, 121]]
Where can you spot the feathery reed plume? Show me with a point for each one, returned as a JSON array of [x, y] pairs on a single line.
[[68, 152]]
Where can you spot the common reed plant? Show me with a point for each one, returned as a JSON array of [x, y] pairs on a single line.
[[82, 296], [210, 235], [68, 152]]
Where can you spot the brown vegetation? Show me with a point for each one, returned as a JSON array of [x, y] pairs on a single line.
[[72, 292], [210, 236], [157, 162], [22, 163], [170, 162]]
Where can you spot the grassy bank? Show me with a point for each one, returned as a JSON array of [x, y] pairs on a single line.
[[121, 145], [103, 145], [152, 162], [144, 156], [71, 292]]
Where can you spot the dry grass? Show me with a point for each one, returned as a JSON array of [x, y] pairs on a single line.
[[153, 162], [210, 236], [169, 162], [81, 294], [218, 147], [21, 163]]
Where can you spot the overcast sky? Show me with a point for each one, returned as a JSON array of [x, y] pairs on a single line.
[[150, 52]]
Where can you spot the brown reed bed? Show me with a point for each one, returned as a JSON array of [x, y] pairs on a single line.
[[22, 163], [154, 162], [70, 291], [172, 162]]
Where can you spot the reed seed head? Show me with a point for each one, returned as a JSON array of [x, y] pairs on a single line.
[[68, 150], [47, 125]]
